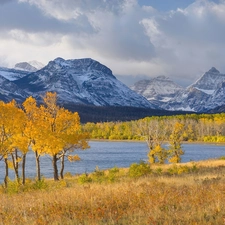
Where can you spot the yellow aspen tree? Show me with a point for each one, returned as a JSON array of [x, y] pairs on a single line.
[[4, 139], [34, 130], [11, 125], [160, 154], [19, 141], [175, 149], [154, 131], [63, 132]]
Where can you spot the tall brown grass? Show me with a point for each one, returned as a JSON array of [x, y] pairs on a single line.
[[157, 199]]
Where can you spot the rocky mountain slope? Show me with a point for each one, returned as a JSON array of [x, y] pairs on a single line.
[[25, 67], [12, 74], [81, 81], [209, 81], [9, 91], [206, 93], [88, 82], [158, 90], [31, 66]]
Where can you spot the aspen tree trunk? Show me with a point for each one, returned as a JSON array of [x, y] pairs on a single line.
[[6, 172], [16, 164], [38, 168], [55, 168], [62, 166], [23, 168]]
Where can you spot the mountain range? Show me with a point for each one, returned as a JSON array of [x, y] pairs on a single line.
[[205, 94], [79, 81], [88, 83]]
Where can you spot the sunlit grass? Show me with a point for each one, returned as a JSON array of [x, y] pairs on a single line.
[[193, 197]]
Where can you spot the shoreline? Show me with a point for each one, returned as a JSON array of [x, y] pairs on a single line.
[[165, 142]]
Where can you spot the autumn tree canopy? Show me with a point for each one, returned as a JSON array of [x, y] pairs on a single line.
[[45, 129]]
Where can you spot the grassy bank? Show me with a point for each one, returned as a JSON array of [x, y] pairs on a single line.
[[191, 193]]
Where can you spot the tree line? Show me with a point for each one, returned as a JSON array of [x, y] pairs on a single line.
[[158, 129], [196, 127], [44, 129]]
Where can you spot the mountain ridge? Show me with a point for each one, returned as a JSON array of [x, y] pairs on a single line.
[[81, 81], [206, 93], [157, 90], [88, 82]]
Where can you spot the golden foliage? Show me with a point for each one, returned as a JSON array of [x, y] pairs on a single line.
[[46, 129], [73, 158]]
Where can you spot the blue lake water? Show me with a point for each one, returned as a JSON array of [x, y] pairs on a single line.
[[110, 154]]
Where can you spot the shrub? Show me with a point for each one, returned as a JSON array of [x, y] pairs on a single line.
[[113, 174], [159, 170], [40, 184], [13, 187], [84, 178], [179, 169], [194, 168], [222, 158], [138, 170], [98, 175]]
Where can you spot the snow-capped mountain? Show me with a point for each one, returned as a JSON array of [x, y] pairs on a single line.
[[9, 91], [88, 82], [217, 99], [12, 74], [206, 93], [202, 95], [20, 70], [36, 64], [81, 81], [25, 66], [209, 81], [158, 90], [191, 99], [31, 66]]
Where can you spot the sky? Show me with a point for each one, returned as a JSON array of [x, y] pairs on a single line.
[[136, 39]]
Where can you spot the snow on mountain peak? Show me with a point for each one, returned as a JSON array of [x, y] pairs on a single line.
[[206, 93], [36, 64], [158, 90], [213, 70], [25, 66], [31, 66], [209, 81], [84, 64], [59, 60], [154, 87], [81, 81], [12, 74], [162, 78]]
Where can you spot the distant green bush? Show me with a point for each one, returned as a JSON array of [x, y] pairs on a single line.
[[182, 169], [138, 170], [40, 184], [84, 178]]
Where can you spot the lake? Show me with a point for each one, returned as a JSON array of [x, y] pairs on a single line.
[[110, 154]]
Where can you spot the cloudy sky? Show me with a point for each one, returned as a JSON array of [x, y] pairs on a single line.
[[181, 39]]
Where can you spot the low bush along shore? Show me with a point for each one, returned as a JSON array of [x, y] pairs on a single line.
[[191, 193]]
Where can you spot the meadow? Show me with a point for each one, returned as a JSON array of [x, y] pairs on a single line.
[[188, 193]]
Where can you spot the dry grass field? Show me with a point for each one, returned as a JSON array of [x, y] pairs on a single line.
[[162, 197]]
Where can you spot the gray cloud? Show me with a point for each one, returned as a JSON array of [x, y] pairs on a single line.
[[110, 28], [30, 19], [188, 42], [130, 39], [76, 7], [5, 1]]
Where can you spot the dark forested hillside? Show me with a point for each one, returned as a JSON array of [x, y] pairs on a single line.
[[115, 113]]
